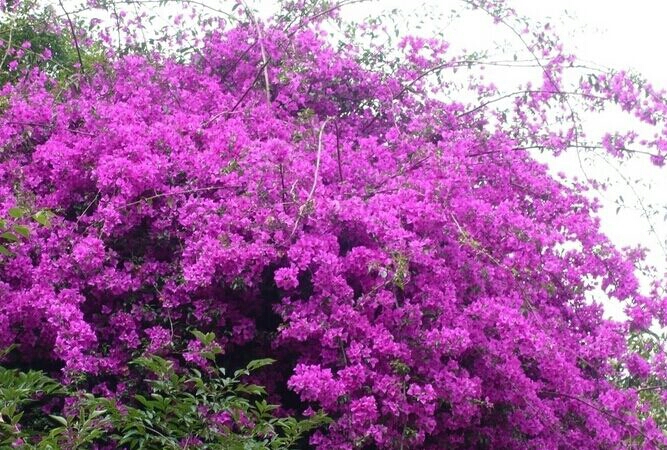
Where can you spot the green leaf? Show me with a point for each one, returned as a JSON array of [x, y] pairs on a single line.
[[205, 339], [5, 351], [9, 236], [22, 230], [4, 251], [209, 355], [97, 413], [252, 389], [144, 401], [17, 212], [43, 218], [258, 363], [241, 372], [61, 420]]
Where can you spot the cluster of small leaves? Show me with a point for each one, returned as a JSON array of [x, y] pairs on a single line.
[[13, 228], [18, 390], [180, 408], [642, 372], [29, 40]]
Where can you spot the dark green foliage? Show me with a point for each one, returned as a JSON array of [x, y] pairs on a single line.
[[34, 24], [651, 389], [177, 409]]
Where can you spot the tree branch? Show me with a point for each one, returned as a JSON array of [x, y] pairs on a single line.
[[76, 41]]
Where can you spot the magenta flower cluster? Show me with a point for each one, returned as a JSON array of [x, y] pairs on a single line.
[[414, 271]]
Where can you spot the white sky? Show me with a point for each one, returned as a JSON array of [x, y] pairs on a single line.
[[620, 34]]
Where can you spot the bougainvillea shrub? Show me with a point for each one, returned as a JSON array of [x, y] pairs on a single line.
[[417, 274]]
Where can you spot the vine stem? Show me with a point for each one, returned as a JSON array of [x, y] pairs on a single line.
[[9, 46], [318, 159], [265, 60], [76, 41]]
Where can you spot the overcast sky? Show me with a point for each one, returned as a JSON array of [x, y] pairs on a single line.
[[620, 34]]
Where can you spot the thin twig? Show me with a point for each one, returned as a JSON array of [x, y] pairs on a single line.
[[573, 115], [76, 41], [161, 2], [169, 194], [402, 171], [265, 61], [643, 207], [582, 146], [340, 166], [215, 117], [247, 91], [318, 158], [116, 17], [651, 388], [49, 127], [323, 13], [283, 194], [88, 207], [9, 47], [524, 91], [602, 411]]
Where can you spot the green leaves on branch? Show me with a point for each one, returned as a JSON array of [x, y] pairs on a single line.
[[49, 50], [13, 228], [174, 409]]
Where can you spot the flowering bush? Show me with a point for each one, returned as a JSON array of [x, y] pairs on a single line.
[[414, 270]]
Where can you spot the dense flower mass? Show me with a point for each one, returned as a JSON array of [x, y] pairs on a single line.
[[416, 273]]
